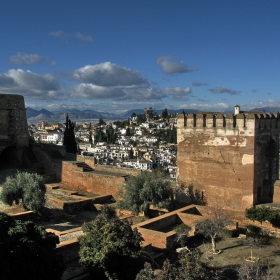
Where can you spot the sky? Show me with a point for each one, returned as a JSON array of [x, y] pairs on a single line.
[[117, 55]]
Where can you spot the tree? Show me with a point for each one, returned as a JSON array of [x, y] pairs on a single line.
[[28, 251], [26, 187], [101, 122], [131, 154], [109, 245], [127, 133], [189, 267], [144, 190], [182, 234], [164, 114], [212, 227], [262, 214], [90, 137], [69, 140]]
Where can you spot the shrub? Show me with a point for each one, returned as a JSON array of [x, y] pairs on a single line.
[[26, 187], [28, 251], [262, 214]]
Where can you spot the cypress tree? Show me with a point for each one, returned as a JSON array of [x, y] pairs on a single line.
[[69, 140]]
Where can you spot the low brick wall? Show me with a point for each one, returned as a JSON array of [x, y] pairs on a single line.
[[72, 207], [114, 169], [23, 216], [160, 222], [88, 160], [101, 183], [158, 239]]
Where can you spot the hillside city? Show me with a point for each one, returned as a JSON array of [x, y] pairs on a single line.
[[79, 200], [144, 141]]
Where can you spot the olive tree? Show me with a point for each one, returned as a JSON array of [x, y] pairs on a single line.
[[262, 214], [212, 227], [144, 190], [27, 188], [109, 245]]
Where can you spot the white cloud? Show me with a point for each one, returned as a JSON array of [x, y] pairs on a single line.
[[198, 84], [57, 34], [26, 59], [28, 79], [217, 107], [84, 37], [171, 65], [6, 81], [62, 36], [220, 90], [109, 74], [260, 104], [31, 85], [177, 91], [89, 91]]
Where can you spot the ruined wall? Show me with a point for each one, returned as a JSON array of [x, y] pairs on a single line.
[[100, 183], [219, 155], [13, 122]]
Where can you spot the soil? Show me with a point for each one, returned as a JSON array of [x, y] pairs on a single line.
[[235, 251]]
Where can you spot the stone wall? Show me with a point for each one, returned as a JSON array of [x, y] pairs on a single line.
[[101, 183], [13, 122], [226, 159]]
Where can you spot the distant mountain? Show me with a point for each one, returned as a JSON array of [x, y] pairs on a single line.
[[87, 115], [34, 113], [267, 109]]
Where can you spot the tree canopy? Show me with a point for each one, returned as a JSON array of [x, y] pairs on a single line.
[[212, 227], [101, 122], [109, 245], [262, 214], [28, 251], [188, 267], [27, 188], [144, 190]]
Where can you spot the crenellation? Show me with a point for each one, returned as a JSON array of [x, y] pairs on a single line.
[[229, 121], [227, 156]]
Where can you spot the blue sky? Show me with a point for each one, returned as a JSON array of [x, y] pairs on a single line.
[[116, 55]]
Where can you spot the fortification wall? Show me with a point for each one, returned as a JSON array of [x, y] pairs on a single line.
[[100, 183], [13, 122], [224, 157]]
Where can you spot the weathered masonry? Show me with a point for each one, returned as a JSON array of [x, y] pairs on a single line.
[[229, 159], [13, 122]]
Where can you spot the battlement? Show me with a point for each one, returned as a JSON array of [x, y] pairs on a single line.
[[229, 121]]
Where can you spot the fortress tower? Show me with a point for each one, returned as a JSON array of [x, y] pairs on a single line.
[[13, 122], [230, 159]]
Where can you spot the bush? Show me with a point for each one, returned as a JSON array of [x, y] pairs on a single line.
[[262, 214], [28, 251], [110, 248], [27, 188], [144, 190]]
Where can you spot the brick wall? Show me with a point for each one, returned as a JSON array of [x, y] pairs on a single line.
[[232, 159], [100, 183]]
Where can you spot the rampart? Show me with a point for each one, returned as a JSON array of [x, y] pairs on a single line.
[[13, 122], [96, 182], [229, 159]]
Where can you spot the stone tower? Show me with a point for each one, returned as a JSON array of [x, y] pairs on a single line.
[[229, 159], [13, 122]]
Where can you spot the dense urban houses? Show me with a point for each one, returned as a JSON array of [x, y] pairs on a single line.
[[130, 144]]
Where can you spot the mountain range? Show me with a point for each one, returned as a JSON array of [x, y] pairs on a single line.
[[36, 116]]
